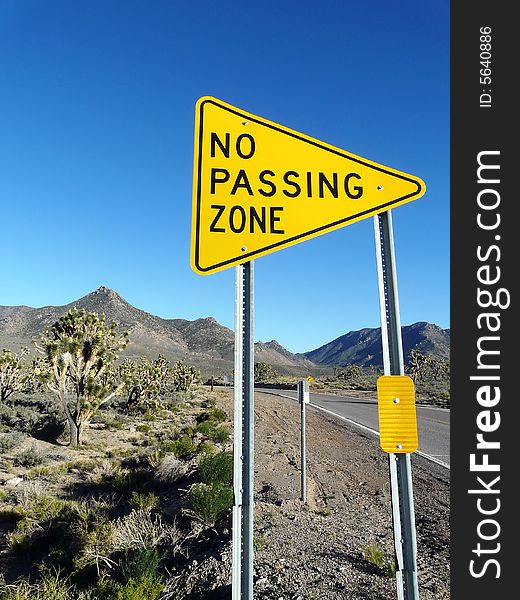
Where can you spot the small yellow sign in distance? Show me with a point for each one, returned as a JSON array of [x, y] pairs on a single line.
[[397, 414], [259, 187], [310, 378]]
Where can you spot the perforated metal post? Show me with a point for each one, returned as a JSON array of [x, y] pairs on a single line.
[[400, 466], [303, 398], [243, 441]]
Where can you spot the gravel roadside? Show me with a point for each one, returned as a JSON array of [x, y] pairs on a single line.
[[320, 550]]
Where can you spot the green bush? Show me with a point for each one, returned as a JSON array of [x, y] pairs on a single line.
[[144, 428], [91, 538], [207, 448], [209, 501], [144, 501], [147, 588], [140, 564], [184, 446], [212, 414], [374, 555], [206, 428], [29, 458], [126, 481], [11, 440], [220, 434], [52, 586], [217, 468]]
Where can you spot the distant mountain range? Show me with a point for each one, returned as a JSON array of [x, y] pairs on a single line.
[[364, 347], [207, 344]]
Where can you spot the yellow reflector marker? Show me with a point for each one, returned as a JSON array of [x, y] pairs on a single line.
[[397, 414]]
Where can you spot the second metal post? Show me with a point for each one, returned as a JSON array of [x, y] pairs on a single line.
[[400, 466], [303, 398]]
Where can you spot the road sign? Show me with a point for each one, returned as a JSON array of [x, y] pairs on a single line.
[[259, 187], [310, 379]]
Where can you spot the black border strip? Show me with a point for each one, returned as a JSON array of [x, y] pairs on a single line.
[[249, 255]]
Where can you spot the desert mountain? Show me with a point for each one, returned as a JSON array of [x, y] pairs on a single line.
[[202, 342], [207, 344], [364, 348]]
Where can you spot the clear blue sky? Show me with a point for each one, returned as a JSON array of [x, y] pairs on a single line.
[[96, 149]]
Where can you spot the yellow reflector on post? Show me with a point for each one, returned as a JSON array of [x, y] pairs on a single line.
[[397, 414]]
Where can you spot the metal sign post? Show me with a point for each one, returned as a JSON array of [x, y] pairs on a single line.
[[400, 466], [303, 399], [243, 441]]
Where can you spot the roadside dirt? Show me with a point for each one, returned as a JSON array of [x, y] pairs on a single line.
[[319, 550]]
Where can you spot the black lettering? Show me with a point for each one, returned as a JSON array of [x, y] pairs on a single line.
[[252, 145], [241, 182], [232, 212], [333, 188], [358, 189], [215, 180], [309, 184], [213, 227], [295, 185], [262, 178], [223, 148], [254, 216], [274, 219]]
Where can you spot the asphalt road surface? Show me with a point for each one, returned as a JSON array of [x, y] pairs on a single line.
[[433, 423]]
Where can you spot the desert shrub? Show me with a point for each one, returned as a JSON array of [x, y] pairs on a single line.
[[207, 448], [44, 524], [146, 588], [212, 414], [184, 446], [142, 529], [217, 468], [9, 441], [206, 428], [376, 556], [169, 469], [40, 416], [127, 481], [209, 501], [166, 447], [144, 501], [144, 428], [29, 458], [49, 427], [102, 471], [220, 434], [111, 420], [52, 586], [91, 541], [140, 564]]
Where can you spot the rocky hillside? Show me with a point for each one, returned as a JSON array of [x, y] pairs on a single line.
[[209, 345], [202, 342], [364, 348]]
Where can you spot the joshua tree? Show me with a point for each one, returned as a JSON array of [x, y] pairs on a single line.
[[80, 350], [182, 377], [348, 372], [144, 381], [13, 374], [418, 365], [263, 371]]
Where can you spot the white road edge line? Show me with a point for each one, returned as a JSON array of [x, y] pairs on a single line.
[[423, 454]]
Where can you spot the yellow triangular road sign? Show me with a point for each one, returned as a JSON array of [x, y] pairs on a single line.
[[259, 186]]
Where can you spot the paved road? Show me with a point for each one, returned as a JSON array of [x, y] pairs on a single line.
[[433, 422]]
